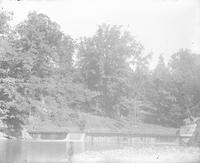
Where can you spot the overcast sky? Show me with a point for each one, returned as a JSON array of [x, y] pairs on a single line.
[[162, 26]]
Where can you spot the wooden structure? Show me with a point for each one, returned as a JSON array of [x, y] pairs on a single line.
[[114, 140], [190, 133], [50, 135], [97, 139]]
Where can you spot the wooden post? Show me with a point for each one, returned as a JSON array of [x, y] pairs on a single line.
[[92, 141]]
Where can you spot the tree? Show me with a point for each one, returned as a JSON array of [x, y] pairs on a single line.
[[42, 44], [162, 96], [46, 53], [104, 61], [5, 17], [174, 91], [13, 105], [184, 68]]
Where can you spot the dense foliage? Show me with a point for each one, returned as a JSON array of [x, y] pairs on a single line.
[[47, 74]]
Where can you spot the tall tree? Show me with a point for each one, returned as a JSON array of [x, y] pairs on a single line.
[[13, 105], [160, 96], [5, 17], [104, 61], [185, 67], [47, 55], [174, 90], [43, 44]]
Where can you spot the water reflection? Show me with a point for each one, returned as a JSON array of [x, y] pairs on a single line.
[[55, 151], [30, 151]]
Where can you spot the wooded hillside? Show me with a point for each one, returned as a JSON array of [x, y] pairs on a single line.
[[46, 74]]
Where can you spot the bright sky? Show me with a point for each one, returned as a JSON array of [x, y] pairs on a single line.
[[162, 26]]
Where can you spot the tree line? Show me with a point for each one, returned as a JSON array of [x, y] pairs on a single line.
[[43, 70]]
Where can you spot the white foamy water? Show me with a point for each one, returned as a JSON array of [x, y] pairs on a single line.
[[141, 155]]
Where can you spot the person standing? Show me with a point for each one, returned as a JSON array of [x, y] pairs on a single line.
[[70, 152]]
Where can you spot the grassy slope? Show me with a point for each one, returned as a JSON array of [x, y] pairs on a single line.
[[96, 123]]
